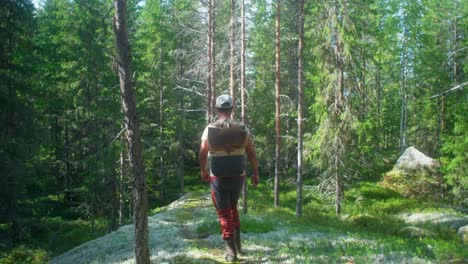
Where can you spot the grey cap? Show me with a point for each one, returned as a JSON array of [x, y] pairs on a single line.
[[224, 101]]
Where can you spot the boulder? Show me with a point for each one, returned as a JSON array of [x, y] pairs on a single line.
[[413, 159], [414, 175], [435, 218], [463, 234], [415, 232]]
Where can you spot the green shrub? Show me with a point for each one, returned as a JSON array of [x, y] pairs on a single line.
[[25, 255], [364, 220]]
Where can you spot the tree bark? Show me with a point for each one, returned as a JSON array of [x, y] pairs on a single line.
[[161, 125], [114, 200], [299, 108], [232, 28], [213, 59], [161, 106], [403, 94], [455, 45], [378, 129], [10, 117], [181, 156], [122, 178], [244, 186], [278, 105], [209, 61], [339, 108], [140, 192], [12, 163]]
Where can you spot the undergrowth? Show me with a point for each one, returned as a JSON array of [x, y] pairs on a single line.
[[368, 212], [368, 217]]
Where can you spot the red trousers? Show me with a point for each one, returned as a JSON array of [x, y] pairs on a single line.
[[225, 192]]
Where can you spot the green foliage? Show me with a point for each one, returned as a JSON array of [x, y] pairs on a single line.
[[368, 212], [61, 117], [257, 225], [369, 190], [416, 184], [24, 255], [456, 159]]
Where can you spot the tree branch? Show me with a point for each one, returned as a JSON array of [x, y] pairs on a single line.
[[461, 85], [178, 87]]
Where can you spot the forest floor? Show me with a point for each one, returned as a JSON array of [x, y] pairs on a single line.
[[187, 231]]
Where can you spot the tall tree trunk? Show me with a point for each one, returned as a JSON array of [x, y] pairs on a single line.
[[140, 192], [67, 165], [122, 179], [181, 156], [455, 45], [378, 128], [278, 106], [161, 126], [12, 163], [338, 109], [232, 30], [161, 106], [209, 61], [244, 186], [299, 108], [404, 107], [403, 93], [113, 188], [213, 58]]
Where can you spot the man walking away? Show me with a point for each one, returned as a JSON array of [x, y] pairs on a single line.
[[225, 142]]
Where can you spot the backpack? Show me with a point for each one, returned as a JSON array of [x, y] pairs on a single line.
[[227, 140]]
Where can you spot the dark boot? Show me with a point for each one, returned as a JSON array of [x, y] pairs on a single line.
[[237, 235], [231, 252]]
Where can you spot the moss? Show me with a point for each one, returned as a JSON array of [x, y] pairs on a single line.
[[369, 190], [420, 184], [364, 220], [257, 225], [207, 228], [22, 254], [186, 259]]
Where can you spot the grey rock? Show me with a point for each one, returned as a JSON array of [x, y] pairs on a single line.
[[437, 218], [415, 232], [413, 159], [463, 234]]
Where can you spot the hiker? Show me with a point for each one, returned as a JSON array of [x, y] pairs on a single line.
[[225, 142]]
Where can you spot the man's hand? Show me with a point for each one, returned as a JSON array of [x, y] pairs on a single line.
[[255, 180], [205, 175]]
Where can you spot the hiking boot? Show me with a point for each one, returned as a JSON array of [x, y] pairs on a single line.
[[231, 252], [237, 236]]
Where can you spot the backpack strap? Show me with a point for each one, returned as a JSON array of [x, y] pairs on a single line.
[[225, 123]]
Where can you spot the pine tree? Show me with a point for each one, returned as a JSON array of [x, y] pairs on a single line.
[[140, 193], [299, 109]]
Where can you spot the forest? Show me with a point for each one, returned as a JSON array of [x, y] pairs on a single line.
[[103, 103]]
